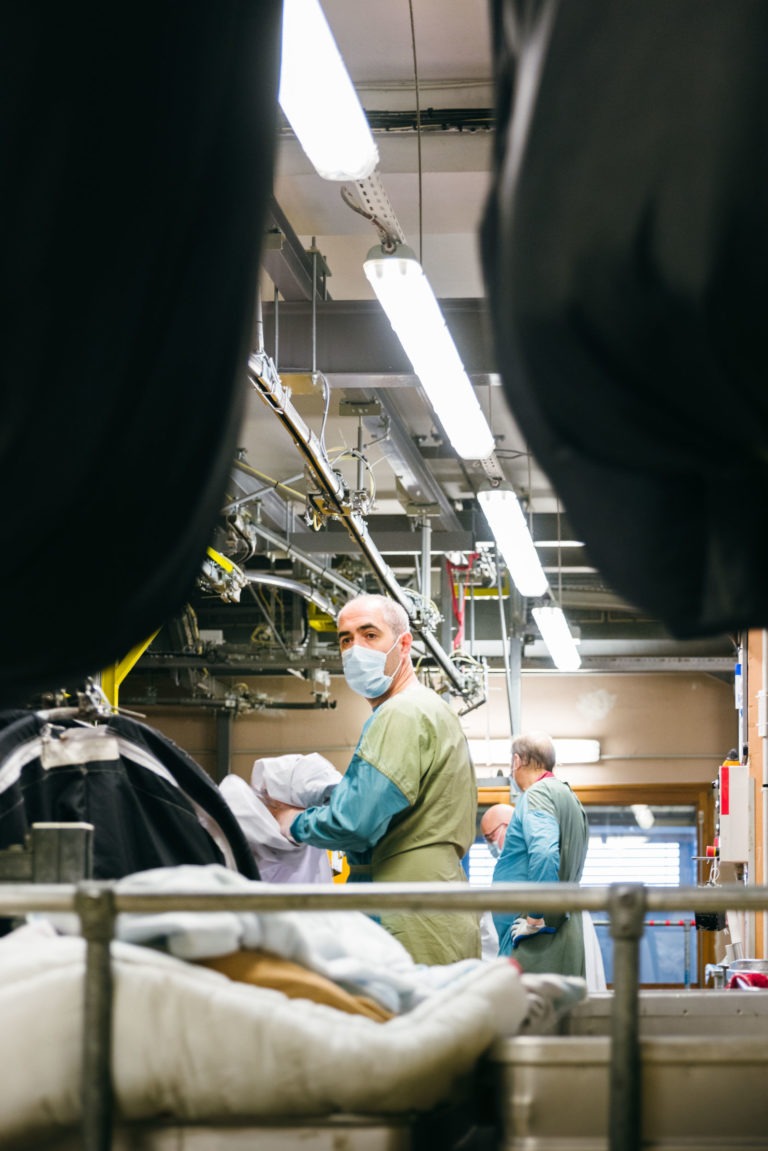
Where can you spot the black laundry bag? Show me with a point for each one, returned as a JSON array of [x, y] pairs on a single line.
[[137, 145], [625, 248], [151, 805]]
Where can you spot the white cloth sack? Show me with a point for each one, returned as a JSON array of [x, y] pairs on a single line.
[[279, 859], [299, 780]]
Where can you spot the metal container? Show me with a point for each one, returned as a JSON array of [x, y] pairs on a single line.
[[753, 966], [340, 1133], [668, 1012], [703, 1092]]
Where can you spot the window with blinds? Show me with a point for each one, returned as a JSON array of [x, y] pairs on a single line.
[[655, 845], [630, 859]]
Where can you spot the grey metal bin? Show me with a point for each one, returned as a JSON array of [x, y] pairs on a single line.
[[677, 1013], [706, 1087]]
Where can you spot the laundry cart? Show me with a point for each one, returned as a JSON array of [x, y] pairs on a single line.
[[323, 1133], [126, 1047], [134, 1050], [702, 1071], [699, 1091]]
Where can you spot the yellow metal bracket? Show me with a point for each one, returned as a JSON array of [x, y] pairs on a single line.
[[113, 676]]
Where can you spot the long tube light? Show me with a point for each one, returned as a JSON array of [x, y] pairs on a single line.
[[498, 752], [505, 518], [556, 635], [405, 294], [318, 98]]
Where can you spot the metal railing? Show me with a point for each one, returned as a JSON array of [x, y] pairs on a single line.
[[98, 904]]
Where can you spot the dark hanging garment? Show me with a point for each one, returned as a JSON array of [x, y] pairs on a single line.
[[150, 804], [137, 158], [625, 248]]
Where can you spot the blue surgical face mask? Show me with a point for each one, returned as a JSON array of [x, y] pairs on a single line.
[[494, 849], [364, 670]]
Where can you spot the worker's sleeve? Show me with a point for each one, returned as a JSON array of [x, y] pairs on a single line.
[[507, 870], [531, 854], [357, 814], [542, 835]]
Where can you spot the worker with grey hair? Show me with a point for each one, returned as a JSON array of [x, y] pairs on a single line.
[[405, 808], [545, 842]]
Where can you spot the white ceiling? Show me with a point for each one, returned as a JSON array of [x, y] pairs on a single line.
[[436, 184]]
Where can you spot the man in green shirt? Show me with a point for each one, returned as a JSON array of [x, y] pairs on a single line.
[[405, 808]]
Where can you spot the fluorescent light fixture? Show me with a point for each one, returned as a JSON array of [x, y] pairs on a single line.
[[498, 752], [559, 543], [560, 643], [491, 752], [505, 518], [318, 98], [404, 293], [577, 750]]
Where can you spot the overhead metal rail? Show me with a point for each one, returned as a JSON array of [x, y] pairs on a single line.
[[265, 380], [312, 595], [284, 544]]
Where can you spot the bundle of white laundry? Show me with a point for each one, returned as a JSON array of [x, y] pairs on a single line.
[[299, 780], [347, 947]]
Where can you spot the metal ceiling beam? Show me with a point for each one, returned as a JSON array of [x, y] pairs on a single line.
[[408, 465], [336, 543], [710, 665], [277, 662], [428, 120], [431, 120], [627, 648], [290, 267], [355, 336]]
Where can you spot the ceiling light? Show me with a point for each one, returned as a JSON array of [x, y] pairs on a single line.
[[491, 752], [318, 99], [404, 293], [577, 751], [560, 643], [507, 522], [498, 752], [559, 543]]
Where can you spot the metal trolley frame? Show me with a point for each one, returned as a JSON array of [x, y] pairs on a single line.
[[98, 903]]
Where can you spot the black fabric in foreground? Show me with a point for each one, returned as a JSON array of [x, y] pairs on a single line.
[[137, 165], [150, 803], [625, 248]]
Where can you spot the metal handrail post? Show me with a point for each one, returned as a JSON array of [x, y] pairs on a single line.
[[627, 912], [687, 953], [96, 908]]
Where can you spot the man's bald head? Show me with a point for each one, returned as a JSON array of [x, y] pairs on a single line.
[[493, 825]]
